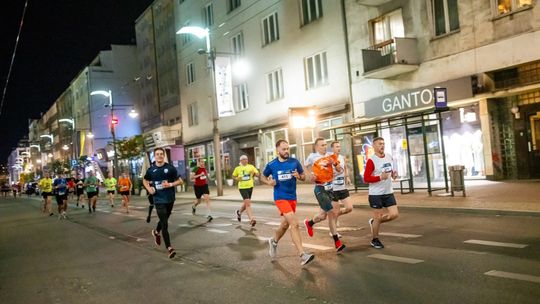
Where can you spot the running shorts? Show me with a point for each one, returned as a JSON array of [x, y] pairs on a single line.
[[201, 190], [380, 201], [246, 193], [324, 197], [286, 206], [91, 194], [124, 192], [110, 191], [341, 194]]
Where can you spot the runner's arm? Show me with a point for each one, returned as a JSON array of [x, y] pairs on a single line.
[[368, 174]]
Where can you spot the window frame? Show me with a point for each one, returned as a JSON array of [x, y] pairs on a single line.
[[190, 73], [323, 62], [446, 13], [274, 90], [241, 104], [266, 35], [237, 42], [233, 5], [193, 114], [209, 14], [307, 18], [514, 8], [186, 38]]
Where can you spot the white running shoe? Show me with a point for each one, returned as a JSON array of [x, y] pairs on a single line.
[[272, 250], [306, 258]]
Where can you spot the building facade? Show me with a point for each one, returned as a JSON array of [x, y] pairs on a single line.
[[297, 58], [404, 56]]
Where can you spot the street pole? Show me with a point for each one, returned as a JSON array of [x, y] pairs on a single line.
[[113, 133], [215, 117]]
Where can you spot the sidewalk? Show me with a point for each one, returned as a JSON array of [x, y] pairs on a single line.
[[482, 195]]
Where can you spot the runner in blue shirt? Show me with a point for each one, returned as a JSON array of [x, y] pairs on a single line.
[[60, 190], [285, 171]]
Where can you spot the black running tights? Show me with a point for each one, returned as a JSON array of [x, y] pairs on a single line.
[[164, 211]]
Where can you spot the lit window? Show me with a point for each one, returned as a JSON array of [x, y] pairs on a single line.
[[507, 6]]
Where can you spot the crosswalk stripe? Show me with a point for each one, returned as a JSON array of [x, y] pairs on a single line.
[[340, 229], [217, 230], [273, 223], [403, 235], [318, 247], [497, 244], [395, 258], [261, 238], [515, 276]]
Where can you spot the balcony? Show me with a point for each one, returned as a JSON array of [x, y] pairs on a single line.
[[390, 58]]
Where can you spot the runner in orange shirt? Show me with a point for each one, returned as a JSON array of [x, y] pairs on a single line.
[[125, 187]]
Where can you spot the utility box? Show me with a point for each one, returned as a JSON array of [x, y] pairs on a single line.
[[457, 179]]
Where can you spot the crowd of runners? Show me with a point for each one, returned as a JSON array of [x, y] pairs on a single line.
[[325, 168]]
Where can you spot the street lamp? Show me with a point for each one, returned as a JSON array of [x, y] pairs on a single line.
[[36, 146], [49, 136], [108, 94], [205, 33], [90, 134], [71, 121]]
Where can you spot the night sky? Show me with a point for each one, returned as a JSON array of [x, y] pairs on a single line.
[[59, 38]]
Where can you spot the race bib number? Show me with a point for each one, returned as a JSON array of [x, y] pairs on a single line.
[[246, 177], [284, 177], [202, 177], [61, 192], [158, 185], [339, 181], [327, 186], [386, 168]]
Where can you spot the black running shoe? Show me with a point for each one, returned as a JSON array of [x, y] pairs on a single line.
[[148, 219], [376, 243], [238, 216], [193, 209], [172, 252], [209, 218]]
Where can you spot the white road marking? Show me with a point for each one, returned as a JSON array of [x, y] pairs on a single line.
[[217, 230], [106, 211], [340, 229], [395, 258], [218, 225], [185, 225], [273, 223], [261, 238], [497, 244], [318, 247], [515, 276], [403, 235], [112, 237]]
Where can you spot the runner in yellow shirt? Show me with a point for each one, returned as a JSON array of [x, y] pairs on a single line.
[[244, 175], [110, 184], [45, 185]]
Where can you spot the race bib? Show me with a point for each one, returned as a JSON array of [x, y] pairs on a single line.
[[202, 177], [327, 186], [387, 167], [246, 177], [61, 192], [284, 177], [339, 181], [158, 186]]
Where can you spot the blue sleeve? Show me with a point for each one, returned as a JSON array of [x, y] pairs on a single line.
[[299, 168], [267, 171]]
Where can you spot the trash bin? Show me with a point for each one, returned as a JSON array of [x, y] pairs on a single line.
[[457, 181]]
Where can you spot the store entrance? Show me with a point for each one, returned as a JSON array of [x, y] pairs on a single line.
[[528, 142]]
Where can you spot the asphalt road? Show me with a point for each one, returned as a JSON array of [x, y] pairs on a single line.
[[110, 257]]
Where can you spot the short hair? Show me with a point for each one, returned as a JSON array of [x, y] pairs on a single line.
[[317, 140], [334, 143], [156, 149], [377, 139], [280, 141]]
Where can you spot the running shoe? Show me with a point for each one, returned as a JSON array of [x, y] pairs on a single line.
[[272, 250], [82, 206], [209, 218], [238, 215], [157, 237], [51, 214], [309, 228], [371, 225], [94, 208], [338, 234], [339, 245], [306, 258], [193, 209], [148, 219], [172, 252], [253, 223], [376, 243], [112, 206]]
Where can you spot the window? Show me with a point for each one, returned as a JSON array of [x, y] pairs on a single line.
[[233, 4], [274, 89], [316, 71], [242, 101], [270, 29], [193, 115], [186, 38], [311, 10], [190, 73], [445, 15], [507, 6], [237, 42], [387, 27], [209, 15]]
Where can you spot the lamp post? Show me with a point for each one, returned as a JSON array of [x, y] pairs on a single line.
[[205, 33], [108, 94]]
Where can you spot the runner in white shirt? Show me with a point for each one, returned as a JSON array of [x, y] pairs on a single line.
[[340, 182], [378, 175]]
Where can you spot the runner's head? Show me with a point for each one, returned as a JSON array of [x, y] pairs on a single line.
[[90, 173], [110, 175], [200, 162], [244, 160], [159, 156], [47, 175], [282, 147], [378, 146], [320, 145], [124, 174], [336, 147]]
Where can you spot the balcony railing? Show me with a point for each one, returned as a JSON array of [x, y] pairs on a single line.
[[390, 58]]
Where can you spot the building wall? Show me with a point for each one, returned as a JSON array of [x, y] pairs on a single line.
[[295, 43]]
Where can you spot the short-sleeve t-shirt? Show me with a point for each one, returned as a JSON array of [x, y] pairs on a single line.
[[201, 180], [157, 175], [110, 183], [92, 184], [124, 183], [45, 184], [60, 185], [282, 173], [246, 172], [79, 183], [321, 166]]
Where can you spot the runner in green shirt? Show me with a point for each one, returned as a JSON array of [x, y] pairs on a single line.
[[110, 184], [91, 183], [244, 175]]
